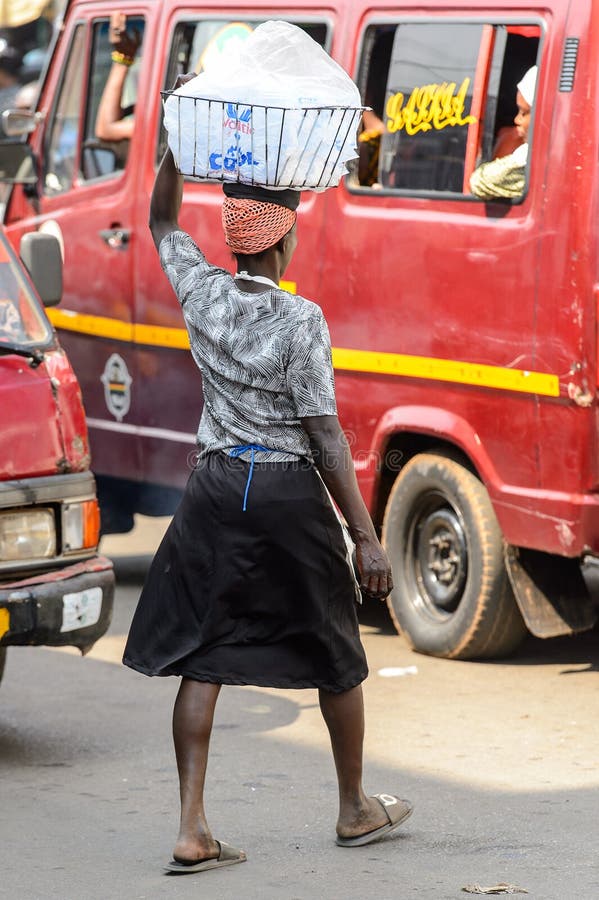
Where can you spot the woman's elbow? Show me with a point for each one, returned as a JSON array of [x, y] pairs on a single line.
[[100, 130], [322, 430]]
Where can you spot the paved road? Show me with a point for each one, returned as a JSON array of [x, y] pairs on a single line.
[[500, 759]]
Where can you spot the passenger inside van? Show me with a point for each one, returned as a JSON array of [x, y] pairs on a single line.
[[505, 176], [115, 122]]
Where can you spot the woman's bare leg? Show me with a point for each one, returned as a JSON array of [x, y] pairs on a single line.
[[192, 725], [344, 717]]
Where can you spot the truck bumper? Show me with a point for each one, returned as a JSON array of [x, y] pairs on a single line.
[[71, 606]]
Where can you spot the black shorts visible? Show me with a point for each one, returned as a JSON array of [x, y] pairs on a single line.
[[263, 597]]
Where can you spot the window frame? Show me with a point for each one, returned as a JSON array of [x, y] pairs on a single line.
[[492, 20], [49, 129]]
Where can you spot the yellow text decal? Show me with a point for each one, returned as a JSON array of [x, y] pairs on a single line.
[[431, 106]]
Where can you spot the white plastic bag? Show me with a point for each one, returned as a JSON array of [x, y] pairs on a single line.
[[277, 112]]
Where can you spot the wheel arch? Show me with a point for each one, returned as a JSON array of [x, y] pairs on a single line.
[[405, 431]]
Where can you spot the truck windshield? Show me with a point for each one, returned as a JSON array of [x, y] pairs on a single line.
[[22, 320]]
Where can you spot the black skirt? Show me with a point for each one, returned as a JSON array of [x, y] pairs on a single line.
[[263, 597]]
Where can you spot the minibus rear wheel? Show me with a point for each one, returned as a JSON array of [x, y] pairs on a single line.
[[2, 661], [452, 596]]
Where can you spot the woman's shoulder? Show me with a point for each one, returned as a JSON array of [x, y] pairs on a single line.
[[180, 254], [305, 326], [178, 241], [196, 283], [299, 309], [178, 247]]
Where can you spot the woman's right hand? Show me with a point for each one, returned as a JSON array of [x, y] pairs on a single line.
[[376, 577]]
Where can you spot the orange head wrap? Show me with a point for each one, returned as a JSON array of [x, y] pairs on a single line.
[[252, 226]]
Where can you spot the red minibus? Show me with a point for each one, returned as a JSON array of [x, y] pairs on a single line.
[[464, 329]]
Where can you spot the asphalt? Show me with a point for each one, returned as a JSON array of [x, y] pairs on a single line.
[[499, 758]]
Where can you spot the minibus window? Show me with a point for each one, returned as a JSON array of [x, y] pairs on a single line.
[[61, 149], [427, 106], [442, 98], [104, 154], [194, 43]]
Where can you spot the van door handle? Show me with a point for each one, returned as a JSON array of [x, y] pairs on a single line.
[[117, 238]]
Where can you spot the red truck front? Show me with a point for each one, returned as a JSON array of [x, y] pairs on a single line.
[[54, 588]]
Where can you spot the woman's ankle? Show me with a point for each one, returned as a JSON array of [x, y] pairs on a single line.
[[194, 846], [359, 817], [353, 804]]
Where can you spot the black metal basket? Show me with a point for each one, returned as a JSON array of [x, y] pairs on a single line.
[[305, 148]]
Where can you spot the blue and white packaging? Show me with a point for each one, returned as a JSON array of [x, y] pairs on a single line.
[[278, 112]]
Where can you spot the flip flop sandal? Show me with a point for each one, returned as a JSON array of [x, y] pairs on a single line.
[[397, 812], [227, 856]]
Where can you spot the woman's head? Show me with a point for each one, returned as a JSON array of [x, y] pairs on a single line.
[[252, 226], [256, 220], [524, 99]]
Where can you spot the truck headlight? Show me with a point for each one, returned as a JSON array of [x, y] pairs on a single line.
[[80, 525], [27, 535]]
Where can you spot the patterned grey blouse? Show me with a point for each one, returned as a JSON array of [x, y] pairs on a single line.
[[265, 358]]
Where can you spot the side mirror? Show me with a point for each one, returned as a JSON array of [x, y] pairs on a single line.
[[17, 163], [43, 260], [17, 122]]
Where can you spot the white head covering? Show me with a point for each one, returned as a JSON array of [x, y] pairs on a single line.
[[528, 85]]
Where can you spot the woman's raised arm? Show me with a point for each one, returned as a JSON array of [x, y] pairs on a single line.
[[167, 193], [166, 199]]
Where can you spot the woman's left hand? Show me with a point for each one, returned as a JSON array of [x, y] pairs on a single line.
[[120, 39], [376, 579], [183, 79]]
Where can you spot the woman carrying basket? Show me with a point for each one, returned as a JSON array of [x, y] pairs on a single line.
[[253, 583]]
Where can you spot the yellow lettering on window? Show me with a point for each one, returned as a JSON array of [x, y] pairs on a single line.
[[431, 106]]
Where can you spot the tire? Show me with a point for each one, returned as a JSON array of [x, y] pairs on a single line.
[[2, 661], [452, 596]]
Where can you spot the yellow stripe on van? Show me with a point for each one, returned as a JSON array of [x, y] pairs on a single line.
[[159, 336], [344, 359], [98, 326], [446, 370]]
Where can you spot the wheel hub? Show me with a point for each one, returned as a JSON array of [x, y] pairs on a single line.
[[441, 555]]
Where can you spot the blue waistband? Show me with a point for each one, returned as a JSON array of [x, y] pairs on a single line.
[[252, 449]]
